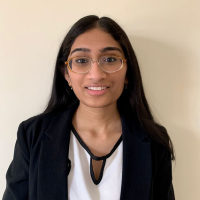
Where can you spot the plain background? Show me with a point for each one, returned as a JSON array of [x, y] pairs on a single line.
[[166, 39]]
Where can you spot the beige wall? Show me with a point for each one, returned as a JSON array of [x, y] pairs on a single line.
[[166, 38]]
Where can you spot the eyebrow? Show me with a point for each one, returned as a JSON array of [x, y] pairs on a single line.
[[80, 49], [101, 50], [110, 49]]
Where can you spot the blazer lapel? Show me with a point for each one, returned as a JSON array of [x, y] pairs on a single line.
[[136, 171], [54, 164]]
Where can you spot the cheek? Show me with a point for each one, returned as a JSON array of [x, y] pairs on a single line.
[[77, 86], [118, 85]]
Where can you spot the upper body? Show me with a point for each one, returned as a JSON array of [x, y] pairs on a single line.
[[98, 90], [40, 166]]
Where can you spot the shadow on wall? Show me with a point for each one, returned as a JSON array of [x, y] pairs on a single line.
[[170, 79]]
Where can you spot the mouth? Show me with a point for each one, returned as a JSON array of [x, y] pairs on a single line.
[[96, 91], [97, 88]]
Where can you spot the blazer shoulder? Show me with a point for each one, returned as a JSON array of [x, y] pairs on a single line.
[[39, 121], [160, 151], [43, 120], [32, 130]]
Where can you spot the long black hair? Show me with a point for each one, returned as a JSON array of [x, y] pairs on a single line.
[[132, 100]]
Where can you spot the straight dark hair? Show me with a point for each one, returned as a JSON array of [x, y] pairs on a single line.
[[132, 100]]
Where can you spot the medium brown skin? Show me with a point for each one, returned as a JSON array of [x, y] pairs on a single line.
[[97, 118]]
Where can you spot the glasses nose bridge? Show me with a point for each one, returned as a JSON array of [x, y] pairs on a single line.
[[97, 61]]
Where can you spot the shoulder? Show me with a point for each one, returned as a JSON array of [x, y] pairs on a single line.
[[161, 155], [32, 130], [159, 151], [39, 122]]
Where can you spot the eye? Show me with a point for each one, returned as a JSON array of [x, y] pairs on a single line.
[[109, 59], [81, 60]]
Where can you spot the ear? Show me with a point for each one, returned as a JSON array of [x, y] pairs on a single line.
[[67, 77], [126, 80]]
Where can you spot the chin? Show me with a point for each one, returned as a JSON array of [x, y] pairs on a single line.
[[98, 104]]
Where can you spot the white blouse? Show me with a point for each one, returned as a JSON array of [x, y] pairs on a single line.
[[82, 184]]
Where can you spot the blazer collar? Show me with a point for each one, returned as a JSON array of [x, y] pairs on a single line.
[[54, 163]]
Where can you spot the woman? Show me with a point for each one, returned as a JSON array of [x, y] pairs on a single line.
[[97, 138]]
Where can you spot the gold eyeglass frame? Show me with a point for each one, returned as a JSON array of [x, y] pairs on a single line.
[[92, 62]]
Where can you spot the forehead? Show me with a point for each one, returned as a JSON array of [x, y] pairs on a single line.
[[95, 39]]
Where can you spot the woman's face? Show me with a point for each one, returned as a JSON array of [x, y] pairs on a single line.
[[93, 44]]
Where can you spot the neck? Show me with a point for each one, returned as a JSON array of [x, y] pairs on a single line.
[[97, 122]]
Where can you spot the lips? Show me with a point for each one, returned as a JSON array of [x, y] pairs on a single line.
[[96, 91], [96, 88]]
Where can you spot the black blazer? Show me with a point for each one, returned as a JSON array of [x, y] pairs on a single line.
[[40, 164]]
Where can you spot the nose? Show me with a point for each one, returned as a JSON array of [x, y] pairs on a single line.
[[96, 73]]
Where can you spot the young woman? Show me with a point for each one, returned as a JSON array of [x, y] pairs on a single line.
[[97, 139]]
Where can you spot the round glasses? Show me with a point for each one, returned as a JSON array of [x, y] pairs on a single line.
[[82, 65]]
